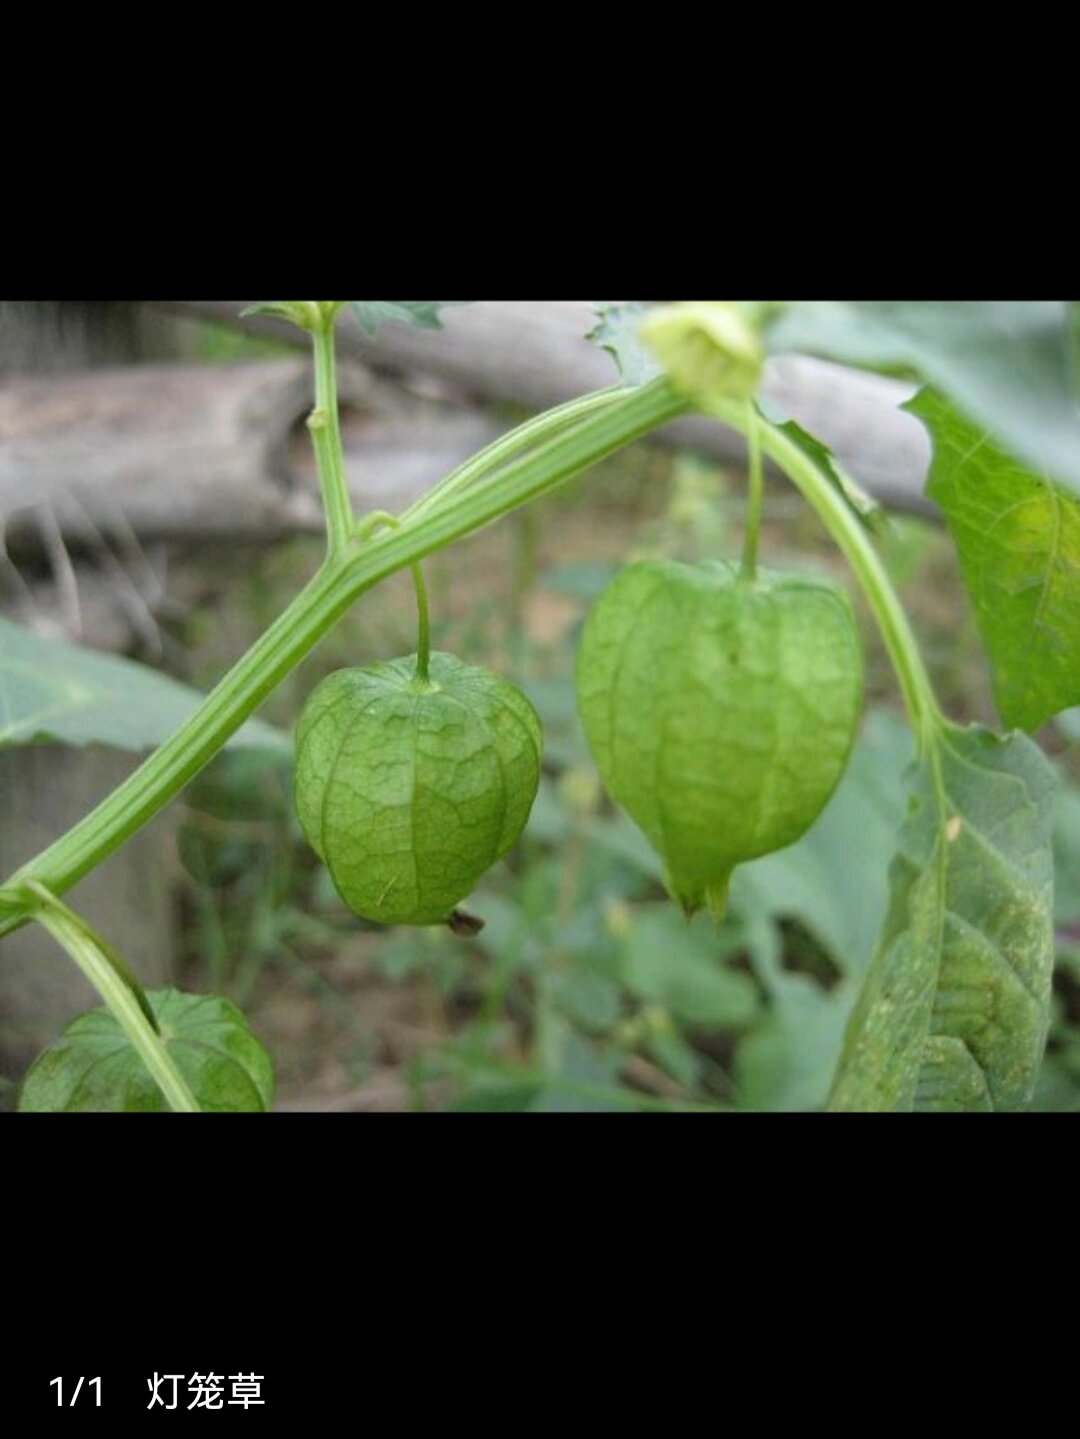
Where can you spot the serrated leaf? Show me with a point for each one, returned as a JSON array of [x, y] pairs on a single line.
[[93, 1068], [955, 1010], [57, 693], [291, 310], [1007, 365], [616, 332], [1018, 537], [424, 314]]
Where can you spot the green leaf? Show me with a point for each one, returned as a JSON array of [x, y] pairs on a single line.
[[1006, 364], [424, 314], [679, 1061], [1018, 536], [1067, 853], [93, 1068], [679, 966], [57, 693], [302, 313], [616, 332], [497, 1096], [784, 1066], [955, 1009], [592, 1002]]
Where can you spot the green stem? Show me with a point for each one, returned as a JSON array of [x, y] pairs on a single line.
[[325, 427], [511, 446], [423, 644], [756, 500], [358, 567], [90, 954], [847, 531]]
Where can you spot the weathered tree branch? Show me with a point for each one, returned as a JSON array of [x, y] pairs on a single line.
[[534, 353], [174, 452]]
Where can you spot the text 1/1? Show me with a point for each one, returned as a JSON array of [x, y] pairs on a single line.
[[90, 1384]]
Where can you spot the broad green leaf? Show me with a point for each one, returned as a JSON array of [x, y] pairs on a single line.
[[678, 1059], [680, 967], [93, 1068], [1067, 858], [616, 332], [424, 314], [592, 1002], [1018, 536], [1006, 364], [583, 1078], [1058, 1090], [498, 1096], [785, 1065], [955, 1009], [57, 693]]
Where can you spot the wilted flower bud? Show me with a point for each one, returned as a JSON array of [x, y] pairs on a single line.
[[711, 349]]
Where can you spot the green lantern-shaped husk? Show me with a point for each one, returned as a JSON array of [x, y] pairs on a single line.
[[721, 711], [410, 789]]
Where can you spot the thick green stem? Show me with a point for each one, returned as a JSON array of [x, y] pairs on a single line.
[[511, 447], [346, 575], [325, 427], [90, 954]]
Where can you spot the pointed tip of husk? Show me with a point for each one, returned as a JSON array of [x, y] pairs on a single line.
[[716, 898]]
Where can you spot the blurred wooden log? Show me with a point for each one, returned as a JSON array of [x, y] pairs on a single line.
[[534, 353], [175, 452], [46, 788], [56, 337]]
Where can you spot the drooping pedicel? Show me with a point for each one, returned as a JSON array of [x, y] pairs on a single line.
[[721, 712], [409, 791]]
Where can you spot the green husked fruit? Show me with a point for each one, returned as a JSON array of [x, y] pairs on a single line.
[[721, 713], [409, 791]]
